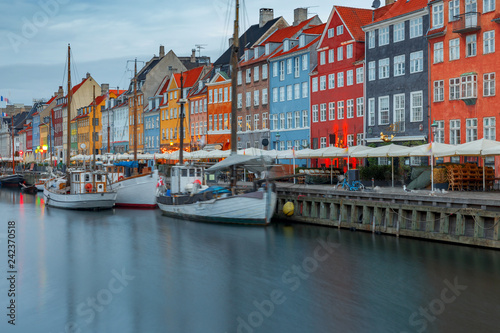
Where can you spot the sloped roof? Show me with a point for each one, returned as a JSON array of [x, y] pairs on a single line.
[[279, 35], [402, 7], [190, 77], [315, 29], [247, 39], [296, 48], [354, 19], [51, 100]]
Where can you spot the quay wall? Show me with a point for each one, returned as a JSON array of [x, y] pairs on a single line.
[[462, 221]]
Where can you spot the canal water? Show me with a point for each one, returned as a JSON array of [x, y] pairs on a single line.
[[138, 271]]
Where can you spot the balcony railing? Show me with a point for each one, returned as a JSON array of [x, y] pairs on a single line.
[[467, 22]]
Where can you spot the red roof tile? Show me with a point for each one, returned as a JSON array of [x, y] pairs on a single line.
[[279, 35], [315, 29], [51, 100], [402, 7], [190, 77], [354, 19]]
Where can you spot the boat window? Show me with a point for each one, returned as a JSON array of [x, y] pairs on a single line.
[[77, 177], [98, 178], [191, 172], [184, 172], [198, 172], [87, 177]]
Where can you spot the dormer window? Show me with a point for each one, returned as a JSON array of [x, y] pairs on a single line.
[[302, 41], [268, 49], [247, 55], [286, 45], [256, 53]]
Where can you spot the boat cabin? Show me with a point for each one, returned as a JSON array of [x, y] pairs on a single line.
[[88, 182], [184, 176]]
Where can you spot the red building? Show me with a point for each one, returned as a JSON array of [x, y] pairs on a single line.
[[463, 65], [337, 102]]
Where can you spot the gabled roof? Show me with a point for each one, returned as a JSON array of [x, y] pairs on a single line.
[[190, 77], [296, 48], [402, 7], [247, 39], [315, 29], [279, 35], [354, 19], [51, 100]]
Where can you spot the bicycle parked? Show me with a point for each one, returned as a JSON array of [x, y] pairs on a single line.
[[353, 186]]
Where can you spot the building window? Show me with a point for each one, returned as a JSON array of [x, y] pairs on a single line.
[[371, 112], [322, 82], [359, 75], [264, 96], [489, 128], [209, 123], [297, 119], [296, 66], [470, 129], [314, 84], [248, 120], [289, 93], [371, 39], [282, 94], [264, 120], [383, 36], [468, 85], [275, 95], [315, 113], [256, 98], [256, 76], [340, 30], [305, 90], [340, 110], [438, 91], [350, 77], [439, 135], [322, 112], [296, 90], [289, 66], [274, 118], [399, 113], [488, 6], [371, 71], [437, 15], [239, 81], [340, 79], [489, 41], [282, 70], [470, 45], [331, 55], [383, 110], [417, 106], [489, 84], [340, 53], [248, 75], [275, 68], [331, 111], [210, 96], [256, 121], [322, 142], [416, 62], [399, 32], [304, 62], [331, 81], [248, 99], [350, 108], [454, 88], [331, 32], [399, 65], [348, 51], [322, 57], [264, 71], [416, 27], [454, 49], [305, 118], [438, 52], [383, 68], [360, 108]]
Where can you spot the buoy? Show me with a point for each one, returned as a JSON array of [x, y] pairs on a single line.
[[120, 178], [197, 181], [88, 187], [288, 208]]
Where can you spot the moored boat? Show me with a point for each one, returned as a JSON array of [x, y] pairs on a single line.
[[11, 180]]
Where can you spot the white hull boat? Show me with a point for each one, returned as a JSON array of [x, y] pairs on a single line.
[[137, 191], [104, 200]]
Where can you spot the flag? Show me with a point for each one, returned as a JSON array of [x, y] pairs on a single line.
[[160, 182], [429, 149]]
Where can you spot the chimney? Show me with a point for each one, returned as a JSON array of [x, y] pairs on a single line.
[[230, 41], [300, 15], [193, 55], [162, 51], [88, 75], [60, 92], [266, 15], [388, 2], [104, 88]]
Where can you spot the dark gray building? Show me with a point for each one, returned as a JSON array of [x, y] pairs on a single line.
[[396, 84]]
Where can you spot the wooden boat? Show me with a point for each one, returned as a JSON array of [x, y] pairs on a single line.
[[11, 180], [85, 190], [30, 189]]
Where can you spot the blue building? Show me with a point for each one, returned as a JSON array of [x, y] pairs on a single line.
[[289, 87], [152, 125]]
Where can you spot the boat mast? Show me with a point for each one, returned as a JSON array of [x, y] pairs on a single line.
[[135, 110], [93, 129], [233, 67], [181, 129], [68, 108]]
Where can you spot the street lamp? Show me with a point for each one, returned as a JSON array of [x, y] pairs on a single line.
[[278, 140], [434, 127]]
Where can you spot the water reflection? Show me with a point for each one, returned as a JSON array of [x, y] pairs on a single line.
[[181, 276]]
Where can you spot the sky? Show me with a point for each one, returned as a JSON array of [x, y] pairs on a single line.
[[104, 35]]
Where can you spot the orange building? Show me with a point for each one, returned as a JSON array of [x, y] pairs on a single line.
[[219, 111], [198, 118], [463, 64]]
